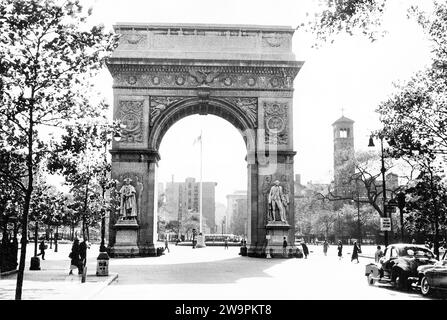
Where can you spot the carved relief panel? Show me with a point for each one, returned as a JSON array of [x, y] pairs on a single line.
[[276, 122], [131, 116]]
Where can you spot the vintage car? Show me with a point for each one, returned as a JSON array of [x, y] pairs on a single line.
[[433, 277], [399, 265]]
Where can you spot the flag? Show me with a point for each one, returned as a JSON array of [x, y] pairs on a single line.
[[198, 139]]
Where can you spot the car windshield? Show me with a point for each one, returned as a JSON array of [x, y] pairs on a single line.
[[417, 252]]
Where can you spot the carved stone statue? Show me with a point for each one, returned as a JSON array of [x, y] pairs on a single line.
[[128, 207], [277, 200]]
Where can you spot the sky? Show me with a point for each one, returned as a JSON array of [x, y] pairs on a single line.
[[352, 74]]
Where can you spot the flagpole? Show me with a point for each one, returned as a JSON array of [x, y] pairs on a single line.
[[201, 172]]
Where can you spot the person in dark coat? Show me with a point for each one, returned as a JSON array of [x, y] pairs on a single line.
[[305, 249], [340, 249], [74, 256], [355, 252], [42, 249], [83, 254], [284, 247]]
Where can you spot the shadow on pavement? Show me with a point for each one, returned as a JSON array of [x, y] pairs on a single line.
[[214, 272]]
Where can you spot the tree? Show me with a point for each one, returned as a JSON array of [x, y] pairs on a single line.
[[427, 204], [45, 58], [364, 183], [81, 158], [352, 17]]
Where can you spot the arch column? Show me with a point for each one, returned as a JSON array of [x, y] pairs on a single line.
[[139, 240]]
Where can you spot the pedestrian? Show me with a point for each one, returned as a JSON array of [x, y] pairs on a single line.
[[305, 249], [166, 244], [42, 247], [340, 250], [355, 252], [284, 247], [325, 247], [413, 241], [83, 255], [74, 256], [226, 243], [378, 254]]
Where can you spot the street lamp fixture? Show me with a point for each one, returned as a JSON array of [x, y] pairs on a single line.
[[382, 170]]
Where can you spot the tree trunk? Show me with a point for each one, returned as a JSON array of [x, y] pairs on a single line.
[[36, 236], [56, 238]]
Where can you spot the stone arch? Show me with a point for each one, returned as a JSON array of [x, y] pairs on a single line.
[[190, 106], [243, 74]]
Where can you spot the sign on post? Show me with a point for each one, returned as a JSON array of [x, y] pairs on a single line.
[[385, 224]]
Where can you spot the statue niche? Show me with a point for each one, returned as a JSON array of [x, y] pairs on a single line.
[[278, 202]]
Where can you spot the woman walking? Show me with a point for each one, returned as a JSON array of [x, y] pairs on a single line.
[[340, 250], [325, 247], [75, 257], [355, 252]]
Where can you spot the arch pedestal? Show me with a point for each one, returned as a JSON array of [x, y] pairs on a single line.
[[240, 73]]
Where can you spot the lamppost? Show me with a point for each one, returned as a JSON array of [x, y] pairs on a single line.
[[116, 137], [382, 170]]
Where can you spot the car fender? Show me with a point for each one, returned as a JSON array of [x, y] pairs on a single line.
[[405, 267], [374, 268]]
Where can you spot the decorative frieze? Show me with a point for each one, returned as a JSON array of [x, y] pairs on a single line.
[[219, 78], [131, 115], [275, 121]]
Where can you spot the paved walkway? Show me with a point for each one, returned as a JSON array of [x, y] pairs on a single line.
[[52, 282], [214, 273]]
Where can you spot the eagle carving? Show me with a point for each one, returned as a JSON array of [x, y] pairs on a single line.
[[204, 77]]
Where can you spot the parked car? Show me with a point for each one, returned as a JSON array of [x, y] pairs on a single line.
[[433, 277], [399, 265]]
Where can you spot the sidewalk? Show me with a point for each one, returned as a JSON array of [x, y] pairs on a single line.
[[52, 282]]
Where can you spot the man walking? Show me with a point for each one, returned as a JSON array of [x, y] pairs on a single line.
[[305, 249], [340, 250], [284, 247], [378, 254], [42, 248], [226, 243], [166, 244], [325, 247]]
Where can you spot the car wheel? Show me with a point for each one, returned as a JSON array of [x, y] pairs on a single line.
[[370, 279], [425, 287]]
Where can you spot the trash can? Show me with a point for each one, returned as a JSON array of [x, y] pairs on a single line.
[[35, 263], [102, 264]]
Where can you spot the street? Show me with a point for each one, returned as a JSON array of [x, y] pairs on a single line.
[[215, 273]]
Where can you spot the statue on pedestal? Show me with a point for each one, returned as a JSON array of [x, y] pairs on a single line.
[[277, 200], [128, 205]]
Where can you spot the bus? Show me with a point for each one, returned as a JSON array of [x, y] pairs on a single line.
[[221, 237]]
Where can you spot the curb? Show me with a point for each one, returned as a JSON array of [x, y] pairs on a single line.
[[8, 273], [368, 257], [103, 286]]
